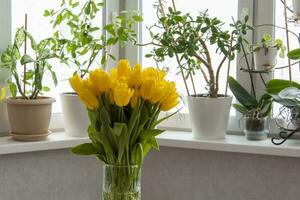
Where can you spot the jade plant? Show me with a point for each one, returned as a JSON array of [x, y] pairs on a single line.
[[248, 104], [267, 42], [189, 40], [83, 41], [28, 69]]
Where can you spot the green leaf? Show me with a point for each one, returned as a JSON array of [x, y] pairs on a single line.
[[29, 74], [137, 18], [45, 89], [26, 59], [240, 108], [241, 94], [150, 133], [13, 89], [294, 54], [276, 85], [85, 149]]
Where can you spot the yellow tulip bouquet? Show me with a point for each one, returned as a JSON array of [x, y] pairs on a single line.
[[123, 108]]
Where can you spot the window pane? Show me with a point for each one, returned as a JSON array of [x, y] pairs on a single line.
[[193, 7], [40, 27], [294, 43]]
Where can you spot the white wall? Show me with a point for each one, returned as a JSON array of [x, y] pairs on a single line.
[[171, 174]]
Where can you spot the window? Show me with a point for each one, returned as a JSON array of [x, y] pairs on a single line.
[[41, 28]]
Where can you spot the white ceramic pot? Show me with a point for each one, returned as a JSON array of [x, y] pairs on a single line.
[[296, 7], [209, 116], [74, 114], [265, 58]]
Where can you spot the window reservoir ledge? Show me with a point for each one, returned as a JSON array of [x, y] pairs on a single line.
[[176, 139]]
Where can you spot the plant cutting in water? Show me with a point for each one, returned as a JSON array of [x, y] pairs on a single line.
[[123, 109], [248, 105]]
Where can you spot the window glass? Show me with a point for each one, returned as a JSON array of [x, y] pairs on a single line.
[[294, 42]]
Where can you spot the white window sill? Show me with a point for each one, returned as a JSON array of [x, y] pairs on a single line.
[[177, 139]]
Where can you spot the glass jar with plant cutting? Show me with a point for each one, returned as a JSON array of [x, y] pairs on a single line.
[[255, 111], [123, 108]]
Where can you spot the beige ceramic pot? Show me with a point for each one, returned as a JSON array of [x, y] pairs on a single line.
[[29, 119]]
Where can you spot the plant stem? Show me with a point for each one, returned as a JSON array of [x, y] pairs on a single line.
[[250, 73], [287, 38], [25, 52]]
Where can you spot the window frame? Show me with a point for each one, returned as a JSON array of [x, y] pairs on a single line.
[[134, 54]]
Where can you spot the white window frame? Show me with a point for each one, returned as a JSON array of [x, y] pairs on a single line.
[[258, 11]]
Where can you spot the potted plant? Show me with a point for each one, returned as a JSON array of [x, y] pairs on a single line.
[[28, 112], [4, 77], [265, 53], [286, 93], [189, 40], [82, 44], [255, 111], [123, 109]]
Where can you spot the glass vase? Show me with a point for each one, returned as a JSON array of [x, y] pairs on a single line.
[[121, 182], [256, 128]]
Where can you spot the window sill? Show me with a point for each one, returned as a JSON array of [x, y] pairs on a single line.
[[176, 139]]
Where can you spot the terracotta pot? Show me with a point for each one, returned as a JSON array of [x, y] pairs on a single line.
[[29, 119]]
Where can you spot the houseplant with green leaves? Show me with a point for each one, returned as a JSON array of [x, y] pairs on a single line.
[[83, 44], [28, 85], [189, 40], [265, 53], [255, 111]]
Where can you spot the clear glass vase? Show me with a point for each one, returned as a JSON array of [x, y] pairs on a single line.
[[121, 182], [256, 128]]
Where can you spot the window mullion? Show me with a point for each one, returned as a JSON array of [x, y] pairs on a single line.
[[5, 23], [130, 52]]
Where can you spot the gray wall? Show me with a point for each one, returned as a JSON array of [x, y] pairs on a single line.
[[171, 174]]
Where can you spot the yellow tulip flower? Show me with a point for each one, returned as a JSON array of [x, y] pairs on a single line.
[[87, 83], [169, 105], [135, 76], [146, 90], [123, 68], [2, 93], [154, 72], [76, 83], [171, 89], [122, 94], [159, 91], [89, 99], [135, 98], [100, 80]]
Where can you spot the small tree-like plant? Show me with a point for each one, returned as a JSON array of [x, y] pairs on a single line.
[[188, 40], [79, 37]]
